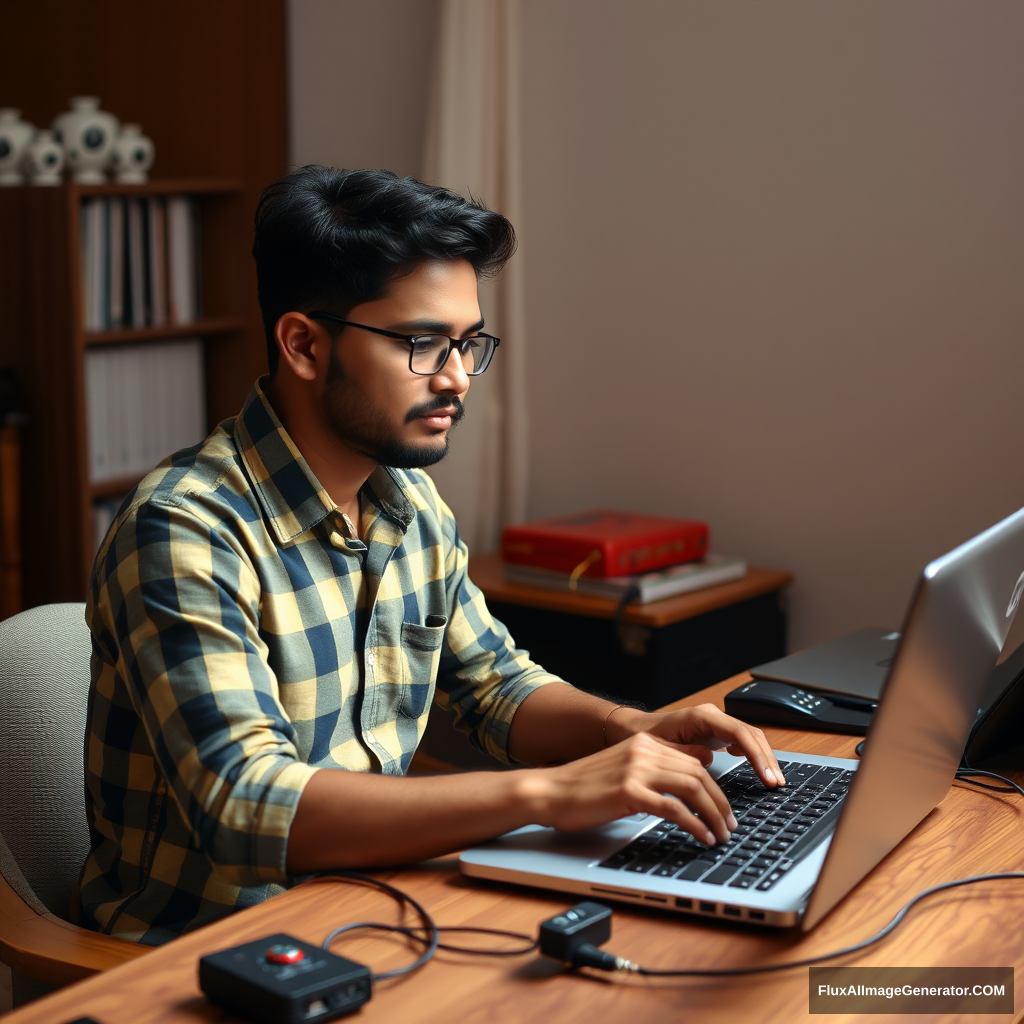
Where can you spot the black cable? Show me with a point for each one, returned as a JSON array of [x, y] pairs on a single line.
[[428, 933], [414, 932], [965, 771], [611, 963], [1012, 788], [404, 899]]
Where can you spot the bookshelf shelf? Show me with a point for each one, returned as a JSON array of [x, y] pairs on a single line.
[[166, 186], [207, 327]]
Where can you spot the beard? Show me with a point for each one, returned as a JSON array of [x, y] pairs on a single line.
[[362, 426]]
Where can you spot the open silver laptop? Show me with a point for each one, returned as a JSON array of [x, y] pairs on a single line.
[[799, 850]]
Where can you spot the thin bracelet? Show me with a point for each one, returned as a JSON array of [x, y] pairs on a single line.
[[604, 728]]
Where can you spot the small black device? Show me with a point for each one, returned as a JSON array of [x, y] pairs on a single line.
[[586, 924], [282, 980], [767, 702]]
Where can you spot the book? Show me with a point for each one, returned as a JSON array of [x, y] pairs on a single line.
[[652, 586], [181, 261], [95, 247], [157, 264], [140, 262], [603, 542], [115, 318], [136, 263], [143, 402]]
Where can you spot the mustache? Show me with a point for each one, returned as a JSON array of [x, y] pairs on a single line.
[[436, 404]]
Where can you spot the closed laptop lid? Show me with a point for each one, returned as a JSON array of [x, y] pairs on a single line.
[[855, 664]]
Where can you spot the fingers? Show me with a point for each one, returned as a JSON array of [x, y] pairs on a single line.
[[674, 810], [743, 740], [700, 806]]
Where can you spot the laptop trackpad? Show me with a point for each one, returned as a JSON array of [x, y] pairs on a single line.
[[593, 843]]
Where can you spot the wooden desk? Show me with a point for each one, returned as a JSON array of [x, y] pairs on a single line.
[[971, 832]]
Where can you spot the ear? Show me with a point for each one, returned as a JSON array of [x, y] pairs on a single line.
[[304, 345]]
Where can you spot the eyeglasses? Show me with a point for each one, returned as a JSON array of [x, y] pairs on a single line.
[[429, 352]]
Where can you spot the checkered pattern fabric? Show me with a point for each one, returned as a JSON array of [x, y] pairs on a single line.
[[242, 639]]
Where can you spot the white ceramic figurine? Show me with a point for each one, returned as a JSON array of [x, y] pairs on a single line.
[[44, 159], [88, 135], [15, 135], [132, 156]]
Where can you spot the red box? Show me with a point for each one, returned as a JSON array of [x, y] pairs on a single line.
[[611, 543]]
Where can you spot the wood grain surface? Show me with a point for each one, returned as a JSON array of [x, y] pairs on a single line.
[[45, 947], [487, 572], [971, 832]]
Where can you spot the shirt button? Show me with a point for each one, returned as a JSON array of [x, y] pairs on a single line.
[[369, 658]]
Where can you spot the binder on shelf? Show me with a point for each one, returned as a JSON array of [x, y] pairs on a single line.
[[95, 224], [157, 240], [136, 263], [115, 318], [181, 261], [140, 262], [143, 402]]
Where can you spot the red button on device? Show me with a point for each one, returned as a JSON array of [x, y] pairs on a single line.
[[281, 954]]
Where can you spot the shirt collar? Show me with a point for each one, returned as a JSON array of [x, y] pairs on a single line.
[[292, 498]]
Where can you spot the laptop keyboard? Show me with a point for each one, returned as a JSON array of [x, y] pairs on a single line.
[[776, 829]]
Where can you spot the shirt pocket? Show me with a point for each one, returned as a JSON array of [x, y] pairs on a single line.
[[421, 650]]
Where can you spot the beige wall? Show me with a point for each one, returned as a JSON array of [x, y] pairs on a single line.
[[359, 73], [777, 278], [775, 265]]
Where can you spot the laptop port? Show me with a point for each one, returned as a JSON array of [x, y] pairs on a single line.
[[683, 903], [656, 899], [732, 911], [755, 915], [707, 908]]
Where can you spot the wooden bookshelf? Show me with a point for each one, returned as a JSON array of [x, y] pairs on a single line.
[[207, 327], [207, 82], [59, 530]]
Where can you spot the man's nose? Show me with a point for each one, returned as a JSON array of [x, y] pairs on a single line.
[[452, 376]]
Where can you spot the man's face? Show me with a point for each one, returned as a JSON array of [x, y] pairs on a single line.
[[373, 403]]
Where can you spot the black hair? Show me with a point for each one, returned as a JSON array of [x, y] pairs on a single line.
[[331, 239]]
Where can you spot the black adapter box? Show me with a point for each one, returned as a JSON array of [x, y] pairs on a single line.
[[586, 924], [282, 980]]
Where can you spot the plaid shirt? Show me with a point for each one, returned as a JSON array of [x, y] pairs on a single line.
[[243, 639]]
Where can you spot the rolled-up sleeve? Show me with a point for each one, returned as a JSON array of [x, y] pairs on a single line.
[[181, 621]]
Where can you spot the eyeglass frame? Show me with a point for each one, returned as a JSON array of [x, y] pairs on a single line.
[[410, 339]]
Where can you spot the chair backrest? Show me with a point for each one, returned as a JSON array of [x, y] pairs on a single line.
[[44, 685]]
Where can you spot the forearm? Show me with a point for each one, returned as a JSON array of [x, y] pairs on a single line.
[[558, 723], [354, 819]]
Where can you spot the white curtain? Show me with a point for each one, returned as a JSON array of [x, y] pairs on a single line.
[[473, 147]]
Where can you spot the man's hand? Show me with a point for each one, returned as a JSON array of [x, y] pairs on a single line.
[[698, 731], [642, 773]]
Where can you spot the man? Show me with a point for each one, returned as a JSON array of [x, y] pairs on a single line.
[[274, 611]]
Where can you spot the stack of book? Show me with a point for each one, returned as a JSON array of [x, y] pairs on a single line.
[[617, 555], [140, 262], [143, 402]]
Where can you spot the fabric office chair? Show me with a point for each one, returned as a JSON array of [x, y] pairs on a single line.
[[44, 837]]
